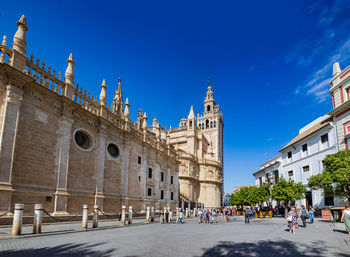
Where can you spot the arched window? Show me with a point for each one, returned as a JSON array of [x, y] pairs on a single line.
[[207, 124], [211, 124], [200, 127], [208, 108], [190, 124], [214, 123]]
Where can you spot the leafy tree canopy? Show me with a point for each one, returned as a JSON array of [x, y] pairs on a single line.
[[287, 191]]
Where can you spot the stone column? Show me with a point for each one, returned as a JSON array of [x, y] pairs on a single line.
[[189, 205], [122, 219], [95, 217], [187, 213], [84, 224], [38, 215], [17, 219], [125, 170], [130, 215], [100, 165], [148, 220], [168, 187], [9, 116], [62, 163], [152, 214], [182, 205]]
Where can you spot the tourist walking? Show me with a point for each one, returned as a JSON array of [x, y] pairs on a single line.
[[292, 220], [346, 219], [170, 216], [181, 216], [311, 214], [303, 214], [166, 216], [200, 213], [247, 214]]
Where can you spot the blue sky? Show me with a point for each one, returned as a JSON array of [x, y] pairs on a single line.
[[269, 61]]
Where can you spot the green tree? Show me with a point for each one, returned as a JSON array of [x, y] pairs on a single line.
[[287, 191], [250, 196], [336, 176]]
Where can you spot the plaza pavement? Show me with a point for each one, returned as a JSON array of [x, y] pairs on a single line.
[[259, 238]]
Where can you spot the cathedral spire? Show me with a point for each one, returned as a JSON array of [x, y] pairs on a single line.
[[19, 39], [117, 104]]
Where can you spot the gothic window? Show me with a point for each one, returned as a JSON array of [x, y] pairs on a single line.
[[214, 124], [113, 150], [172, 180], [190, 124], [139, 159], [149, 191], [150, 173], [162, 176], [83, 139], [211, 124], [202, 125], [207, 124], [162, 194], [172, 196], [208, 108]]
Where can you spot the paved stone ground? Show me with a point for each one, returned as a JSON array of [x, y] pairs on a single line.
[[259, 238]]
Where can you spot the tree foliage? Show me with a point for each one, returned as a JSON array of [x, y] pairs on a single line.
[[250, 196], [336, 175], [287, 191]]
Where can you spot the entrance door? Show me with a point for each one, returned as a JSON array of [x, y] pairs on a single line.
[[308, 198]]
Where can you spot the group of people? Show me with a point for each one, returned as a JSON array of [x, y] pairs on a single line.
[[169, 216], [302, 213], [207, 216]]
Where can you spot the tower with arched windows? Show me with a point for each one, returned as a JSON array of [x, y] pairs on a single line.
[[199, 142]]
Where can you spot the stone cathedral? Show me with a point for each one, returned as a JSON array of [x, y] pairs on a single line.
[[63, 147]]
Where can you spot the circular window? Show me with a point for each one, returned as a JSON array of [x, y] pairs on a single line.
[[113, 150], [82, 139]]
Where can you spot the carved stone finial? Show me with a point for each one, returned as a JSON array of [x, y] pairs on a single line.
[[19, 39], [69, 74], [4, 40], [126, 111], [144, 121], [103, 96]]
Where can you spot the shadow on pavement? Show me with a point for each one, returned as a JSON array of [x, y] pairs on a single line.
[[62, 250], [268, 248], [340, 231]]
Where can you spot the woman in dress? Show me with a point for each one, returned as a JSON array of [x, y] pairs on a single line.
[[346, 219], [292, 220]]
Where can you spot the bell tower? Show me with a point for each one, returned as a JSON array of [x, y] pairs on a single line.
[[209, 101]]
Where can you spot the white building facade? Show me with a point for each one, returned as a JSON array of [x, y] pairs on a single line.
[[303, 157]]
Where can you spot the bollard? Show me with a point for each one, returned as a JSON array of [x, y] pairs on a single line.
[[161, 219], [17, 219], [85, 216], [177, 211], [148, 215], [152, 214], [187, 213], [122, 218], [95, 217], [194, 212], [130, 215], [38, 216]]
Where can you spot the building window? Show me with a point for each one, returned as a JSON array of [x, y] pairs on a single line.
[[162, 194], [207, 124], [214, 124], [347, 93], [162, 176], [150, 173], [172, 180], [260, 181], [289, 155], [83, 139], [139, 159], [290, 173], [324, 138], [172, 196], [139, 178], [304, 147], [208, 108], [113, 150], [211, 124], [306, 168], [149, 192]]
